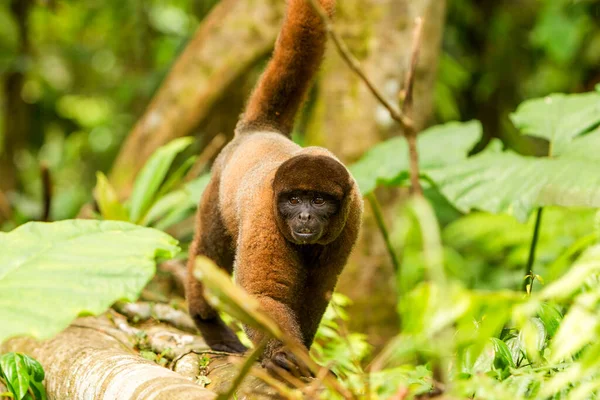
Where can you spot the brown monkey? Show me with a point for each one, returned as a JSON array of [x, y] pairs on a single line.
[[284, 218]]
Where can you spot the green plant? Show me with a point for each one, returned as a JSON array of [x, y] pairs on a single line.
[[22, 376], [155, 200]]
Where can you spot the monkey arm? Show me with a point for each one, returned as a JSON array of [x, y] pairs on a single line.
[[270, 271], [267, 269], [322, 277]]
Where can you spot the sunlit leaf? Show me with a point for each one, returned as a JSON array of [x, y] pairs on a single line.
[[503, 353], [148, 181], [52, 272], [16, 373], [505, 182], [558, 117], [108, 201]]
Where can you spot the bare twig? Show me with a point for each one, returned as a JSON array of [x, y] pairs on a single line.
[[355, 66], [46, 191], [409, 131], [407, 101], [400, 116]]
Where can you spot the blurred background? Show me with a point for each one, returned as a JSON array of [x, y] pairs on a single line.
[[99, 85]]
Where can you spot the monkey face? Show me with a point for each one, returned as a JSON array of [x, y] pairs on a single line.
[[306, 214]]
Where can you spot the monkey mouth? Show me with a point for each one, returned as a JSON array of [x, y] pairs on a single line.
[[305, 236]]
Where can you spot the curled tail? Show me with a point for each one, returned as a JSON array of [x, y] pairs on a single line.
[[281, 89]]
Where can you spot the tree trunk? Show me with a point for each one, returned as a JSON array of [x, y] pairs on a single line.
[[348, 120], [16, 111], [232, 38]]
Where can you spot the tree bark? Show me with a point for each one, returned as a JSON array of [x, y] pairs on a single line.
[[348, 120], [97, 358], [232, 38]]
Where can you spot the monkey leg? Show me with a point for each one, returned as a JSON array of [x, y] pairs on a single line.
[[213, 241]]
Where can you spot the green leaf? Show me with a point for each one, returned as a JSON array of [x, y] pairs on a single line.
[[35, 368], [176, 177], [164, 205], [563, 289], [108, 201], [175, 206], [503, 352], [577, 329], [505, 182], [550, 316], [151, 176], [558, 117], [387, 163], [52, 272], [16, 373]]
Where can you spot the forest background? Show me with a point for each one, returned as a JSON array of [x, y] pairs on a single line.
[[99, 86]]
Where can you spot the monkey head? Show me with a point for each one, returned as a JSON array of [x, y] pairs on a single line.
[[310, 198]]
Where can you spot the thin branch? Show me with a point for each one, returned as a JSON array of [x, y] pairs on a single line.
[[383, 229], [400, 116], [414, 59], [409, 131], [355, 66], [46, 191], [530, 278]]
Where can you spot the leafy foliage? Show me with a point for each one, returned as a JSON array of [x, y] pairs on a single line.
[[387, 163], [50, 273], [155, 201], [23, 377]]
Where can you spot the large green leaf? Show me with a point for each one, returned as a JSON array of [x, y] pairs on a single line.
[[51, 273], [387, 163], [506, 182], [152, 175], [558, 117]]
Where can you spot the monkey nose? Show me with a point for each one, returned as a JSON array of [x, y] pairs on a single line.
[[304, 216]]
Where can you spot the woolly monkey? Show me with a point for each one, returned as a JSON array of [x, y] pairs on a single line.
[[282, 217]]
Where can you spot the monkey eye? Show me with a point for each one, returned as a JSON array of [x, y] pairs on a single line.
[[318, 200], [294, 200]]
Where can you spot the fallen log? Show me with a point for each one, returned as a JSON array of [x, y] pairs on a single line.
[[106, 358]]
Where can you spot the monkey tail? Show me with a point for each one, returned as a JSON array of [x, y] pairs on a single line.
[[282, 87]]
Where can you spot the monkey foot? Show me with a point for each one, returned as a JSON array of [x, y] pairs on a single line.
[[284, 359]]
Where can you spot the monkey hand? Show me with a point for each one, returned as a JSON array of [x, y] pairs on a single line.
[[282, 358]]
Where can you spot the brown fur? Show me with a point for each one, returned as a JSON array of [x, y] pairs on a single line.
[[238, 217]]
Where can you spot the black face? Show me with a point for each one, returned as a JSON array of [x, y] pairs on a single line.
[[307, 214]]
